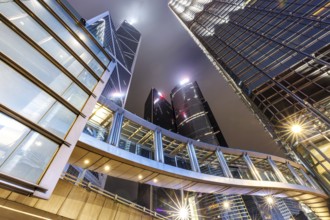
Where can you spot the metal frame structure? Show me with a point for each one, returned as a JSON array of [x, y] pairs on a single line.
[[276, 56], [240, 172]]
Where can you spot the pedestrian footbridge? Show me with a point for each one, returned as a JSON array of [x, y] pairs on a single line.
[[120, 144]]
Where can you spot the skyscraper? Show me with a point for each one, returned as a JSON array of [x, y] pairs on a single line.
[[195, 120], [159, 111], [276, 56], [123, 45], [193, 115], [117, 43]]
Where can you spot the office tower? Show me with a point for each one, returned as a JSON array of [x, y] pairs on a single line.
[[193, 115], [276, 56], [122, 45], [195, 120], [117, 44], [52, 74], [159, 111]]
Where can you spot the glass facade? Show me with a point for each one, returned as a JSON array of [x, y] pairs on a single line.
[[122, 45], [193, 116], [49, 69], [276, 56], [159, 111]]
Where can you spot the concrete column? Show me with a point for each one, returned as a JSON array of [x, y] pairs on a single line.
[[251, 167], [158, 146], [277, 171], [295, 174], [193, 158], [223, 164]]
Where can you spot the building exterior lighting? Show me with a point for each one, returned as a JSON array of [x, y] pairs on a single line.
[[226, 204], [183, 213], [86, 161], [117, 95], [184, 81], [140, 177], [155, 180], [296, 128], [107, 168], [269, 200]]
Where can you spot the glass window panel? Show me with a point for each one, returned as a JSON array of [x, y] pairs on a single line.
[[20, 95], [11, 134], [31, 102], [72, 24], [23, 53], [75, 96], [31, 158], [43, 39], [58, 120], [64, 34]]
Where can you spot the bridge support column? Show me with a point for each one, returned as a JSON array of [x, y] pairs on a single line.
[[223, 164], [277, 171], [251, 167], [115, 129], [158, 145], [309, 179], [295, 174], [193, 158]]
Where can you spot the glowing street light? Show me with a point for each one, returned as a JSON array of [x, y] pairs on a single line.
[[296, 128], [269, 200], [183, 213]]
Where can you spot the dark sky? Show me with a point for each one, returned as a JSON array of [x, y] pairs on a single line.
[[167, 55]]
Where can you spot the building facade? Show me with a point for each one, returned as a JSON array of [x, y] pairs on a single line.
[[195, 120], [193, 115], [159, 111], [122, 45], [52, 72], [276, 56]]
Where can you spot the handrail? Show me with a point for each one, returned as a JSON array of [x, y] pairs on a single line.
[[82, 183], [133, 117]]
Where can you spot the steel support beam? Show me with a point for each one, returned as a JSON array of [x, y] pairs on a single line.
[[277, 171], [115, 129], [254, 171], [158, 146], [193, 158], [295, 174], [223, 164], [309, 179]]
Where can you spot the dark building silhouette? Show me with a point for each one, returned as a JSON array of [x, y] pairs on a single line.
[[159, 111], [193, 115]]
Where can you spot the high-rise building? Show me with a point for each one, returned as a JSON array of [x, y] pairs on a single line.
[[195, 120], [159, 111], [193, 115], [123, 45], [276, 56], [53, 72]]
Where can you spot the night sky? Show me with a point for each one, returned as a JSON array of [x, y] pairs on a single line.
[[167, 55]]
